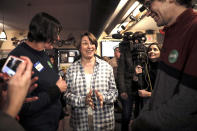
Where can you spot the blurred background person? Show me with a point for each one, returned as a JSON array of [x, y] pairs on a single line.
[[105, 58], [53, 63], [62, 72], [91, 89], [126, 72], [114, 63], [44, 113]]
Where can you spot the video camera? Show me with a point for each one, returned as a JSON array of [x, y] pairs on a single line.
[[134, 42]]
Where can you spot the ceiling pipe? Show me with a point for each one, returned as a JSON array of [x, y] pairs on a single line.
[[119, 17]]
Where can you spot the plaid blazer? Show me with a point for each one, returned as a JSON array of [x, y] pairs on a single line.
[[103, 81]]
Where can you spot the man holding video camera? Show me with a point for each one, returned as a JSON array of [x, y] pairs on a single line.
[[129, 59]]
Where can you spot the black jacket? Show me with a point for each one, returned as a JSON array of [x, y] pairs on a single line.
[[125, 69], [44, 113]]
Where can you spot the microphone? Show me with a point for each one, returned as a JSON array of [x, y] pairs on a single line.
[[117, 36]]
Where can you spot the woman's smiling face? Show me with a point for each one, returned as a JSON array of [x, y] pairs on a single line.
[[153, 53], [87, 49]]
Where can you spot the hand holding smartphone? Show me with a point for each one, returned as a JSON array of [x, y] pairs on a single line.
[[11, 65]]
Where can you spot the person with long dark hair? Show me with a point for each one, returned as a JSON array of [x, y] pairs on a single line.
[[153, 51], [143, 82]]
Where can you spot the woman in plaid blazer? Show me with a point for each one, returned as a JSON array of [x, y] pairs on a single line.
[[91, 89]]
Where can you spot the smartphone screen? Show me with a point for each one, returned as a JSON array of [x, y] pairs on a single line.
[[11, 65]]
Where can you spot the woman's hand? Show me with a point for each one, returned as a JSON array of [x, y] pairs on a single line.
[[100, 97], [124, 95], [144, 93], [89, 100], [138, 69]]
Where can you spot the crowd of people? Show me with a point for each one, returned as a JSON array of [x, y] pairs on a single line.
[[157, 89]]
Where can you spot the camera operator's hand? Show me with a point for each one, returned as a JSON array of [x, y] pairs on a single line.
[[124, 95], [100, 97], [89, 100], [138, 69], [144, 93]]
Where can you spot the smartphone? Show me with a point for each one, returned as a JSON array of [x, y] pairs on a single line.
[[11, 65]]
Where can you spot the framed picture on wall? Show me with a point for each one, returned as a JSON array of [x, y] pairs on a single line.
[[64, 57], [72, 53], [71, 59], [67, 55]]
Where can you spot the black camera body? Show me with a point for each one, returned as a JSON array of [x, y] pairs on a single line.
[[133, 47], [134, 42], [139, 54]]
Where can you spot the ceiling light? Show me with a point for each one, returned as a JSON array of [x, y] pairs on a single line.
[[137, 11], [131, 9], [3, 35]]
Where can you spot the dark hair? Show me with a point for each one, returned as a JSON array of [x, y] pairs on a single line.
[[91, 37], [44, 28], [157, 44], [186, 3], [51, 56]]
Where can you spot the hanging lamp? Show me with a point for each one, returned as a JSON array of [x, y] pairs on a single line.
[[3, 35]]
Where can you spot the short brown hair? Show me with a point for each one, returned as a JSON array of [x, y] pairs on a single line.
[[91, 37]]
